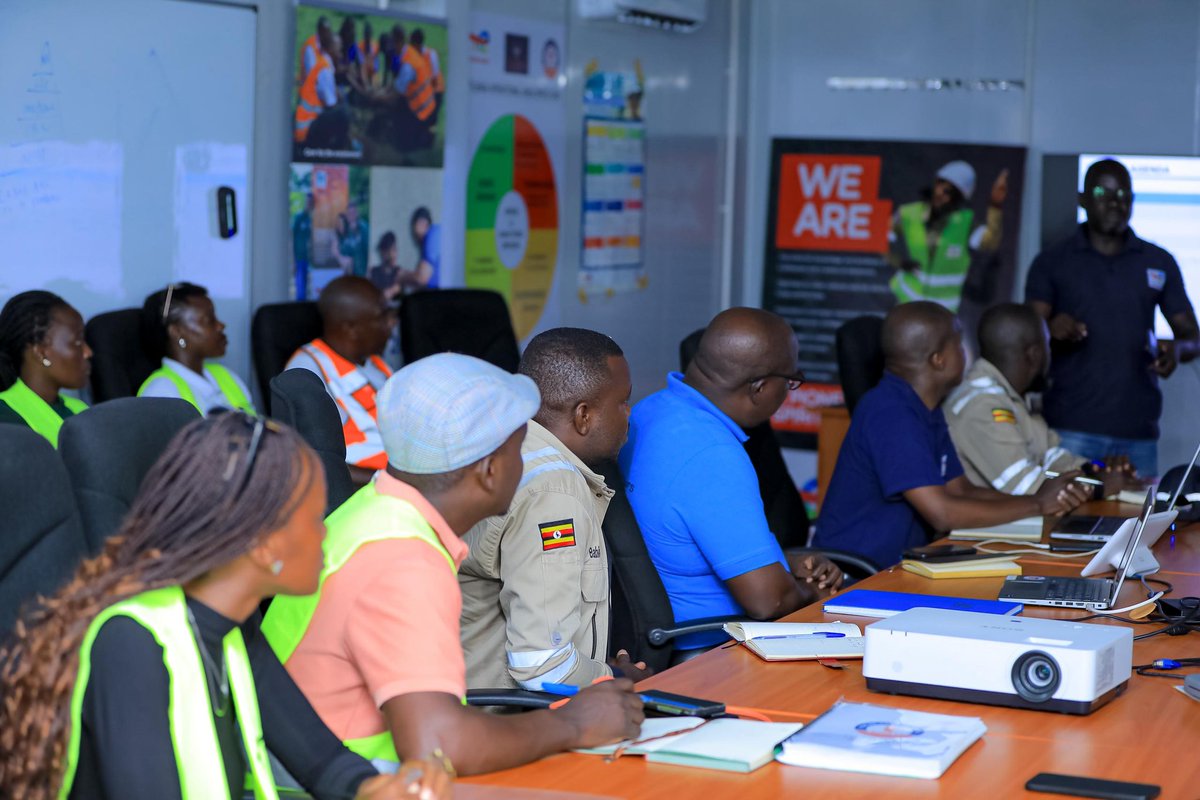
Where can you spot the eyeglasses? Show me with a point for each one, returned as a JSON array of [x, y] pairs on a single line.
[[167, 301], [1103, 193], [258, 427], [794, 382]]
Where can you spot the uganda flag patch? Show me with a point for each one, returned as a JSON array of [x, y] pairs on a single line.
[[557, 534], [1003, 415]]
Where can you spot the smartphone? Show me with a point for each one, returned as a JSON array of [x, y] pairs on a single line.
[[1077, 786], [943, 553], [678, 705]]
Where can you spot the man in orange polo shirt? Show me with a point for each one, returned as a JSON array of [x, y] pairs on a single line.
[[356, 325], [376, 650]]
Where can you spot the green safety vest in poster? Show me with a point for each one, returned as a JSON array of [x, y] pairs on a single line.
[[940, 279]]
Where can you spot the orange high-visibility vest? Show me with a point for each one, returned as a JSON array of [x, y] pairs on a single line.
[[439, 83], [309, 105], [315, 44], [420, 88], [355, 395]]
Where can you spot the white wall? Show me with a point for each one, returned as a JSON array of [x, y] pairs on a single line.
[[1100, 76]]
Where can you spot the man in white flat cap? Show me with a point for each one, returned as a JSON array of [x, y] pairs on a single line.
[[931, 243], [376, 650]]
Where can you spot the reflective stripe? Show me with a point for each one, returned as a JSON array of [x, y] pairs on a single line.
[[1009, 473], [940, 280], [555, 675], [532, 659], [969, 396], [351, 390], [1030, 478], [1052, 455], [552, 466], [545, 452]]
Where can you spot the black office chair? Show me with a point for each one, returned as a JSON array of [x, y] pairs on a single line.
[[120, 363], [41, 541], [474, 322], [109, 450], [859, 356], [276, 332], [786, 515], [299, 399]]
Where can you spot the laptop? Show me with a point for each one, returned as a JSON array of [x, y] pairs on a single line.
[[1093, 593], [1081, 531]]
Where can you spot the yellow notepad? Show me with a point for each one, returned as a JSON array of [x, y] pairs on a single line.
[[984, 568]]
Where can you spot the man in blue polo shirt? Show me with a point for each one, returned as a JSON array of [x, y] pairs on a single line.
[[1098, 291], [898, 480], [694, 491]]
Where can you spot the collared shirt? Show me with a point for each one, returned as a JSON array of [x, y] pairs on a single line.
[[1104, 384], [387, 625], [999, 442], [895, 443], [695, 495], [535, 586], [204, 387]]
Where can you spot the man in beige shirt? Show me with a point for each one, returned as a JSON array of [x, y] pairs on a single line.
[[535, 585], [1000, 442]]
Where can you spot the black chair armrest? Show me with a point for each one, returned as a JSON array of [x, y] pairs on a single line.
[[660, 636], [851, 562], [511, 698]]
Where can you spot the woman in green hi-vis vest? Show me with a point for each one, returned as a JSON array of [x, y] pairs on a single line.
[[180, 327], [42, 352], [147, 676]]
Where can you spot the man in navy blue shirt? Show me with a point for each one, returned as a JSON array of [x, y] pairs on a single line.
[[694, 490], [1098, 290], [898, 479]]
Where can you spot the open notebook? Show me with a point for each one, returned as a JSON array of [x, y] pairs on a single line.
[[734, 745], [1023, 530], [797, 641]]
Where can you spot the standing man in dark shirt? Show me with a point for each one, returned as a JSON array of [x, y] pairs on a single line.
[[1098, 291]]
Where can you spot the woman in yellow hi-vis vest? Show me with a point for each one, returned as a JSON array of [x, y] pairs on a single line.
[[42, 352], [180, 324], [146, 675]]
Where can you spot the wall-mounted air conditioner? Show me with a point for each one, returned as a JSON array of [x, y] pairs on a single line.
[[680, 16]]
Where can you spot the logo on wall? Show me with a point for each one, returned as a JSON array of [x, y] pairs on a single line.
[[516, 53]]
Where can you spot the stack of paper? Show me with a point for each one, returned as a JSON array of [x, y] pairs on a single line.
[[798, 641], [734, 745], [983, 568], [1023, 530], [859, 737]]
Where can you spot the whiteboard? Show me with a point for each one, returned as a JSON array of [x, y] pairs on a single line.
[[118, 121]]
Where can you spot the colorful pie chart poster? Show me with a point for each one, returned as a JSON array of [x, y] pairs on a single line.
[[517, 143], [512, 219]]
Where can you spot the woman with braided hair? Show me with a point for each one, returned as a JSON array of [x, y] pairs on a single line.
[[147, 675], [42, 352]]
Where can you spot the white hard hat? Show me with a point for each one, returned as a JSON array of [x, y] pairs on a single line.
[[961, 175]]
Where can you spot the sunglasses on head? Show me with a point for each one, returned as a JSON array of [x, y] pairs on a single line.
[[258, 427]]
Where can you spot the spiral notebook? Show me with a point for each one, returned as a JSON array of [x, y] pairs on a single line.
[[733, 745], [799, 641]]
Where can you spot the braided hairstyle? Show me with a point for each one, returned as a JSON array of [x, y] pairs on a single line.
[[24, 321], [155, 322], [197, 510]]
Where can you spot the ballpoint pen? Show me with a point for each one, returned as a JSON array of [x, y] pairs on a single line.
[[815, 635]]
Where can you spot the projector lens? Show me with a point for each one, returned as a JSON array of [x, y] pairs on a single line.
[[1036, 676]]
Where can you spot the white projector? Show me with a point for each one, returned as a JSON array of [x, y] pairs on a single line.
[[1024, 662]]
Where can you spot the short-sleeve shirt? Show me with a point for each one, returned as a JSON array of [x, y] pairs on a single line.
[[695, 495], [895, 443], [1104, 384], [387, 625]]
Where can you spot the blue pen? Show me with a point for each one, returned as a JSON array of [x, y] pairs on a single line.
[[817, 635], [561, 689]]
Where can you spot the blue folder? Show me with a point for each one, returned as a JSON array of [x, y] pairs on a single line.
[[867, 603]]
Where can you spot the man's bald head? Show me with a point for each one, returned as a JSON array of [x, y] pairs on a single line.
[[742, 344], [348, 299], [913, 332], [355, 318], [1005, 330]]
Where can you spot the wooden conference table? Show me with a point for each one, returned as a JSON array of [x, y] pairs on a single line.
[[1147, 735]]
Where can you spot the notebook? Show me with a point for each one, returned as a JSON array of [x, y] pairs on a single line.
[[984, 568], [795, 641], [868, 603], [733, 745], [860, 737], [1023, 530]]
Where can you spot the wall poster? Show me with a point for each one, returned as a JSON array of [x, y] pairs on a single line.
[[855, 227]]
